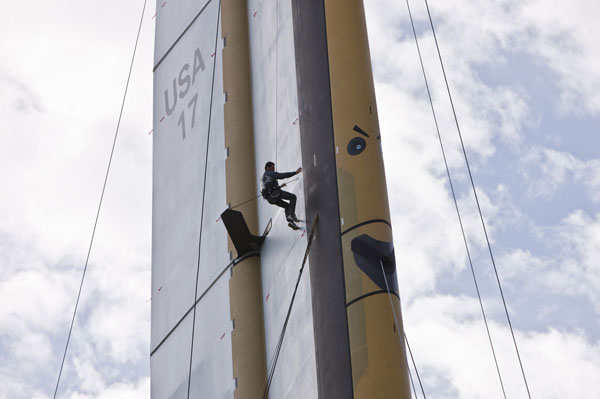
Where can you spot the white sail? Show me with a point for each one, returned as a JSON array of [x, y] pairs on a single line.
[[239, 83]]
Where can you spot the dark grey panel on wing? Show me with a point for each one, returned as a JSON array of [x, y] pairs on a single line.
[[334, 374]]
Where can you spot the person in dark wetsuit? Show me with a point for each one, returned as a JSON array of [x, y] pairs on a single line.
[[275, 195]]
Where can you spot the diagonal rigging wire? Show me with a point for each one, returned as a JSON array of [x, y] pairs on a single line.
[[276, 68], [269, 380], [387, 286], [101, 198], [204, 194], [416, 371], [412, 383], [455, 201], [477, 199], [275, 352]]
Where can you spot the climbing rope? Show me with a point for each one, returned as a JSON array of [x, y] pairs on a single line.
[[245, 202], [260, 195], [204, 193], [273, 365], [100, 203], [477, 200]]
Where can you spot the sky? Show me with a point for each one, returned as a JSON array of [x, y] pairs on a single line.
[[525, 80]]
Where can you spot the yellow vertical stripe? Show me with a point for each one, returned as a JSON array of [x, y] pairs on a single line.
[[376, 343]]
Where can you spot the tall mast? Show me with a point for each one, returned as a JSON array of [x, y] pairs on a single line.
[[238, 83]]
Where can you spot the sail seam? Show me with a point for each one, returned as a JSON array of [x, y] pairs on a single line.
[[204, 194], [180, 36]]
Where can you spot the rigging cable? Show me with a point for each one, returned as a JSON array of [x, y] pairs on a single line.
[[212, 89], [414, 365], [214, 281], [455, 201], [412, 383], [477, 200], [387, 286], [276, 69], [101, 198], [287, 317], [264, 384]]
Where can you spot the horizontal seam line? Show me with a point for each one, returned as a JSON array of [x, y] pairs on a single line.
[[365, 223], [370, 294]]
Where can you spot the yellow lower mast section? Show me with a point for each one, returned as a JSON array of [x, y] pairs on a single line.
[[378, 357]]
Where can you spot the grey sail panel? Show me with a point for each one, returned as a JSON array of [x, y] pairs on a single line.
[[281, 107], [168, 369], [180, 137], [183, 85], [211, 365], [277, 139], [173, 19]]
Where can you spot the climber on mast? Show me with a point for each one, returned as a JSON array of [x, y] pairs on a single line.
[[273, 193]]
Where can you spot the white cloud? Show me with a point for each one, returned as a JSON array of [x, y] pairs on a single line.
[[560, 36], [19, 97], [112, 328], [58, 106], [519, 262], [35, 301], [567, 38], [478, 35], [119, 322], [573, 270], [32, 352], [451, 348], [62, 87], [469, 36], [478, 38], [580, 238], [134, 390], [13, 387], [547, 170], [427, 235], [423, 216], [472, 36]]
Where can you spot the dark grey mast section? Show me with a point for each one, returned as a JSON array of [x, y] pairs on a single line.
[[334, 374]]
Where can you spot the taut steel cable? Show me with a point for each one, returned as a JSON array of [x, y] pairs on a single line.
[[101, 198], [311, 237], [387, 286], [455, 201], [477, 199]]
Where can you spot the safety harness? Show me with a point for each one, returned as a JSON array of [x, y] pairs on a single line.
[[271, 192]]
